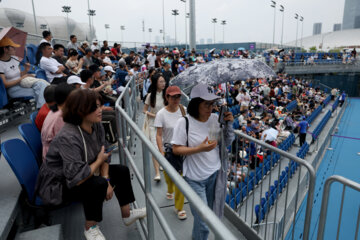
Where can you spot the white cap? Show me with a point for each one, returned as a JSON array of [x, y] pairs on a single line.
[[203, 91], [109, 68], [95, 41], [74, 79]]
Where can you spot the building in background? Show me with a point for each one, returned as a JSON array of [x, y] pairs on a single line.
[[317, 28], [337, 27], [57, 25], [351, 19], [209, 41], [202, 41]]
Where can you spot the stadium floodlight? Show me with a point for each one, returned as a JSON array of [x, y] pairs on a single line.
[[67, 10], [175, 13], [223, 22], [282, 9], [214, 21]]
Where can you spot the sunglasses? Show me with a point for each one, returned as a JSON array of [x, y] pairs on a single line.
[[175, 96]]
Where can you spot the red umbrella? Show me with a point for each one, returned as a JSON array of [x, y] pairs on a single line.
[[18, 37]]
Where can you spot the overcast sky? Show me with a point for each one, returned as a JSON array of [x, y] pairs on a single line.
[[248, 20]]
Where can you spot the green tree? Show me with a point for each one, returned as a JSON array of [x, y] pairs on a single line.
[[313, 49]]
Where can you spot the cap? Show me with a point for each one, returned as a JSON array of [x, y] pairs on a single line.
[[107, 51], [5, 42], [95, 41], [85, 42], [173, 90], [74, 80], [109, 68], [203, 91]]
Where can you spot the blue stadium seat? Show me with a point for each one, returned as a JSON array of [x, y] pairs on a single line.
[[40, 73], [32, 137], [23, 164]]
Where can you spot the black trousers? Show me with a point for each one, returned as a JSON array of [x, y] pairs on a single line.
[[92, 192], [59, 80], [302, 137]]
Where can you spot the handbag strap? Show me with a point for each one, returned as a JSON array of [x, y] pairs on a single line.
[[182, 109], [187, 130], [82, 135]]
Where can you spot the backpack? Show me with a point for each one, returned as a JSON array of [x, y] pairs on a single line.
[[175, 160]]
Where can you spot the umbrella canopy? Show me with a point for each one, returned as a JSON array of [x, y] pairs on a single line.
[[241, 49], [17, 36], [223, 70], [212, 50]]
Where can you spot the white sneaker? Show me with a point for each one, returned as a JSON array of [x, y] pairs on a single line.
[[94, 233], [135, 214]]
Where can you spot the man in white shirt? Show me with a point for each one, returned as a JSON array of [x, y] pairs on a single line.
[[46, 37], [95, 45], [54, 69], [151, 58]]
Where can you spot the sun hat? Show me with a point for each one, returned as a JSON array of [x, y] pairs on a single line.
[[109, 68], [5, 42], [74, 80], [204, 92]]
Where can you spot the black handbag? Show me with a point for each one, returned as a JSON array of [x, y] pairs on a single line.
[[175, 160]]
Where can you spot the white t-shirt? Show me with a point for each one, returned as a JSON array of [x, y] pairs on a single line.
[[44, 40], [50, 65], [202, 165], [159, 104], [167, 121], [10, 69], [151, 60]]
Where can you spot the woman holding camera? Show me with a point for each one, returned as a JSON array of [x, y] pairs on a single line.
[[203, 162]]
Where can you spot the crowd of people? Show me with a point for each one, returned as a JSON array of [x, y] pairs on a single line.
[[77, 122]]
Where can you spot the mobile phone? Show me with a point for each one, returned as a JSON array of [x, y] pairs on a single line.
[[223, 110], [111, 148]]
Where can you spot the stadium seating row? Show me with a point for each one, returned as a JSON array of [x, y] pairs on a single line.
[[321, 125], [327, 100], [314, 114], [291, 106], [336, 103], [238, 194], [278, 187]]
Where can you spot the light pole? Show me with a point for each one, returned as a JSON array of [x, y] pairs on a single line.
[[91, 14], [214, 21], [42, 26], [186, 39], [67, 10], [273, 5], [33, 6], [223, 22], [150, 31], [163, 30], [282, 9], [107, 26], [175, 13], [122, 28], [143, 30], [302, 29], [192, 25], [297, 25]]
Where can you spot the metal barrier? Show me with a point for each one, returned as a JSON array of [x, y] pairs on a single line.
[[325, 200], [282, 214], [127, 106]]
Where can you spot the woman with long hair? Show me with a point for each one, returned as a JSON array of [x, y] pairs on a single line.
[[154, 101], [77, 166]]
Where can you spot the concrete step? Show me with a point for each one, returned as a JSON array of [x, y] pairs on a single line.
[[45, 233]]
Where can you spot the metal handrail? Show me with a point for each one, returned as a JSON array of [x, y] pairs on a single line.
[[325, 201], [127, 126], [311, 171]]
